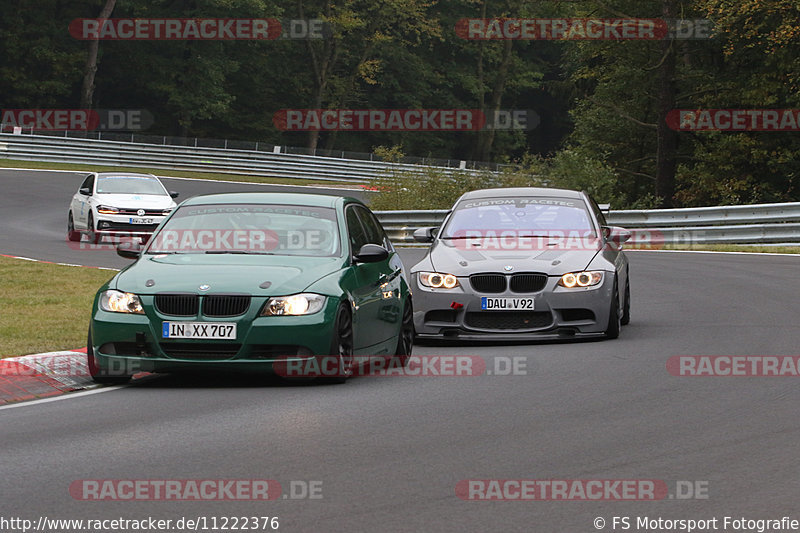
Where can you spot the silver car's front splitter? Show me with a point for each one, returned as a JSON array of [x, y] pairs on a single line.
[[444, 314]]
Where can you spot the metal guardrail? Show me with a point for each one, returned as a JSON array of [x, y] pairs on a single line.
[[201, 159], [252, 146], [652, 228], [742, 224]]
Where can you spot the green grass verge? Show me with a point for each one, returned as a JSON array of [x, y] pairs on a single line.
[[6, 163], [45, 307]]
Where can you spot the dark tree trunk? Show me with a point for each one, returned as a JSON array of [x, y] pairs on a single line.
[[90, 69], [667, 141], [486, 137]]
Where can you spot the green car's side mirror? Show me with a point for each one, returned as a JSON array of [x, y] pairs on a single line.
[[129, 250], [371, 253]]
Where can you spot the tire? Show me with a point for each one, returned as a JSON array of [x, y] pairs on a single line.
[[342, 345], [72, 235], [94, 237], [626, 310], [405, 339], [98, 374], [614, 320]]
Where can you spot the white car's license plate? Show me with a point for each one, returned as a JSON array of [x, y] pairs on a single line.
[[198, 330], [506, 304], [134, 220]]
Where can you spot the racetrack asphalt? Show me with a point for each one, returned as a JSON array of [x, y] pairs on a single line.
[[390, 451]]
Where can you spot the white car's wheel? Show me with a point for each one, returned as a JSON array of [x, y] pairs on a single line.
[[72, 234]]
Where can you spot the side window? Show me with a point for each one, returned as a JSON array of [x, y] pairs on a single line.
[[375, 233], [355, 231], [88, 183]]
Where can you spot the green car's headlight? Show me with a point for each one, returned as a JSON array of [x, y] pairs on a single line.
[[581, 279], [296, 304], [121, 302]]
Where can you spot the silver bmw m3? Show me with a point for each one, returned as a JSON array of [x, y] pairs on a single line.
[[522, 263]]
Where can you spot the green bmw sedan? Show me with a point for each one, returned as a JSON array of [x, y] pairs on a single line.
[[249, 281]]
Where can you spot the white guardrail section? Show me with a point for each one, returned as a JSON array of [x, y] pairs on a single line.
[[653, 228], [199, 159]]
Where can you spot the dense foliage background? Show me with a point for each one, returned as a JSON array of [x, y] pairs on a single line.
[[601, 103]]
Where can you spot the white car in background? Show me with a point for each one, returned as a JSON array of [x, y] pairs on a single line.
[[118, 204]]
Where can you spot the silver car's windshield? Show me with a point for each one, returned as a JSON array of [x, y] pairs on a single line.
[[528, 216], [129, 185], [249, 229]]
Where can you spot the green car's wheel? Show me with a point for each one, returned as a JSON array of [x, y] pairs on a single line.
[[72, 235], [405, 341], [342, 344], [98, 374], [614, 319]]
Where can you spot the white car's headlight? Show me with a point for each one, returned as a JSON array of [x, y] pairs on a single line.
[[581, 279], [296, 304], [167, 211], [107, 210], [121, 302], [437, 280]]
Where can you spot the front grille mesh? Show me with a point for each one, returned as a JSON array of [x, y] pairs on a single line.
[[147, 212], [508, 320], [221, 305], [123, 226], [488, 283], [177, 304], [203, 351], [496, 283], [528, 282]]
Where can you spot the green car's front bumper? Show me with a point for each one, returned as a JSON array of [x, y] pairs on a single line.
[[125, 344]]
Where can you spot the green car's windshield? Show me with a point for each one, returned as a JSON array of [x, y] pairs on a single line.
[[249, 229]]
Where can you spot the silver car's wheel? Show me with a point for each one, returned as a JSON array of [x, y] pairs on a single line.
[[614, 319], [626, 310]]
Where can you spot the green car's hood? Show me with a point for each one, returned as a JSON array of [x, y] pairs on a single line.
[[225, 273]]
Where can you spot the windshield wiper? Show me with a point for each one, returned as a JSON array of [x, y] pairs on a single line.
[[167, 253], [239, 252], [460, 237]]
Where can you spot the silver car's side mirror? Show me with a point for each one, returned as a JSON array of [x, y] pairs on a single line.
[[616, 234], [425, 234]]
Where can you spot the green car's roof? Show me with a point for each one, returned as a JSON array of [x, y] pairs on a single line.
[[310, 200]]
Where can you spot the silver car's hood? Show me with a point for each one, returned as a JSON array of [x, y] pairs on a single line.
[[447, 256]]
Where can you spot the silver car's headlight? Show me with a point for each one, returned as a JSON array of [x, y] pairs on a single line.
[[121, 302], [581, 279], [296, 304], [438, 280]]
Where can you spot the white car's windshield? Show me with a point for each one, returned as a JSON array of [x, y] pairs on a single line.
[[533, 216], [249, 229], [129, 185]]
